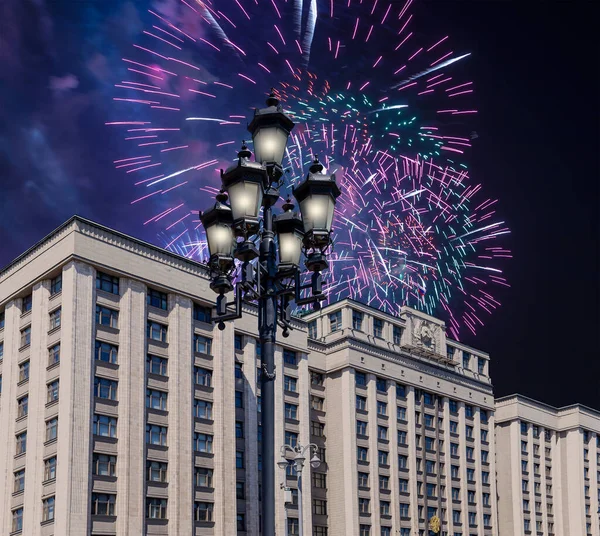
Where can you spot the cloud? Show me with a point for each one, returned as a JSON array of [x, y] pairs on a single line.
[[65, 83]]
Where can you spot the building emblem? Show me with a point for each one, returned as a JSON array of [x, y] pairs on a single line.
[[435, 525], [424, 335]]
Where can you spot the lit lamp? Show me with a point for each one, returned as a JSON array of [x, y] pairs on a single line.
[[317, 196], [270, 128], [218, 223], [289, 229]]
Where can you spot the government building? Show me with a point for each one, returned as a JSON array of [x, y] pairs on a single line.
[[126, 412]]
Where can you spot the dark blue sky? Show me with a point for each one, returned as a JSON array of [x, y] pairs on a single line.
[[535, 67]]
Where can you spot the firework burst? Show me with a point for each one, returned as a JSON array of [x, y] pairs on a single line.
[[383, 106]]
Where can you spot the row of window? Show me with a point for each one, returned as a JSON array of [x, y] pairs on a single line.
[[51, 435], [47, 514]]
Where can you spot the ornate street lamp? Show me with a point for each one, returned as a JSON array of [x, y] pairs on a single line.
[[274, 281]]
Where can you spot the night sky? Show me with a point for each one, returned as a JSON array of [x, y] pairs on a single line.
[[535, 66]]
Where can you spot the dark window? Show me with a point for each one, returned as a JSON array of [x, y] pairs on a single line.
[[156, 365], [400, 390], [56, 285], [381, 385], [24, 371], [27, 304], [468, 410], [291, 411], [480, 365], [239, 459], [26, 336], [360, 378], [156, 399], [357, 320], [202, 345], [202, 409], [157, 299], [239, 372], [239, 399], [241, 522], [52, 389], [204, 477], [203, 442], [106, 352], [50, 468], [104, 425], [102, 464], [103, 504], [319, 480], [239, 430], [466, 360], [453, 406], [108, 283], [289, 383], [157, 332], [156, 435], [104, 388], [202, 313], [107, 317], [2, 319], [52, 429], [316, 378], [156, 508], [397, 335], [53, 355], [289, 357], [156, 471], [312, 329], [19, 481], [203, 376], [238, 342], [21, 443], [378, 327], [335, 321], [203, 511]]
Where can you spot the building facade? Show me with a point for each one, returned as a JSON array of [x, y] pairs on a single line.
[[126, 413], [549, 471]]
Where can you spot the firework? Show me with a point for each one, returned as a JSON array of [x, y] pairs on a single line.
[[382, 106]]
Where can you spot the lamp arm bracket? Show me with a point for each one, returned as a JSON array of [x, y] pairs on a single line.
[[266, 375]]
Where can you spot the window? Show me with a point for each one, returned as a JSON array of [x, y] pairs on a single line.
[[52, 429], [360, 379], [53, 354], [156, 508], [107, 317], [363, 505], [484, 436], [382, 433], [156, 471], [102, 464], [454, 471], [203, 376], [401, 437], [428, 399], [291, 438], [319, 480], [289, 383], [21, 443], [17, 519], [49, 469], [384, 482], [470, 454], [240, 489], [469, 432], [203, 511], [312, 329], [403, 485], [524, 485], [1, 350], [319, 531], [239, 399], [400, 390], [524, 447], [523, 427], [19, 479], [471, 496], [157, 299], [384, 508], [156, 365], [156, 435], [289, 357], [106, 352], [363, 480], [317, 429], [156, 399], [456, 516], [526, 525], [404, 509], [455, 494], [107, 283], [487, 520], [316, 378], [103, 504], [105, 426], [397, 333], [386, 531], [480, 365], [362, 454], [335, 321], [104, 388], [430, 467], [203, 442], [27, 304], [2, 319], [453, 406], [319, 507], [466, 360], [483, 416], [203, 314], [429, 443], [472, 518], [471, 475], [429, 420], [365, 530], [381, 384], [22, 406], [55, 319], [26, 336], [202, 409], [239, 458], [357, 320], [241, 522], [382, 457], [317, 403], [484, 456], [431, 490], [238, 372], [291, 411], [52, 390], [381, 408], [468, 410], [202, 345], [485, 477], [48, 509], [158, 332], [400, 413], [454, 449], [378, 327], [361, 403], [402, 461]]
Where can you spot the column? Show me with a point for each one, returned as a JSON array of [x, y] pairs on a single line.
[[131, 469], [412, 458], [373, 451], [493, 483], [304, 438], [478, 468]]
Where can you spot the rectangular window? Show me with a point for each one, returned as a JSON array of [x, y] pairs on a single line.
[[1, 350], [466, 360], [104, 388], [156, 365], [364, 505], [203, 376], [239, 430], [291, 411], [312, 329], [317, 378], [471, 497], [381, 408], [239, 371], [403, 485], [156, 435], [480, 365], [203, 477], [52, 429], [239, 399], [384, 509], [428, 420], [382, 457], [401, 437], [289, 383], [54, 319], [202, 313], [48, 509], [430, 467], [361, 403], [361, 428], [156, 399], [455, 494], [319, 507], [240, 490], [157, 332], [317, 403], [468, 410], [289, 357], [2, 319], [484, 436], [428, 398], [156, 471], [471, 475], [362, 454], [103, 504], [239, 459], [381, 385], [26, 336], [19, 481], [293, 527], [202, 409], [107, 317], [21, 443], [402, 461], [472, 518], [103, 465], [357, 320], [454, 471], [453, 406], [404, 509], [27, 304], [485, 477], [203, 511], [105, 426], [53, 355], [469, 431], [156, 299], [456, 516], [335, 321], [202, 345], [106, 352], [484, 456], [107, 283], [360, 378], [156, 508], [382, 433], [377, 327], [52, 392], [384, 482], [203, 442], [317, 429], [22, 406], [291, 439], [363, 480], [397, 333], [50, 468], [241, 522], [470, 454], [400, 413]]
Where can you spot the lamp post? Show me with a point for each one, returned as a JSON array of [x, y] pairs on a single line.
[[298, 462], [232, 232]]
